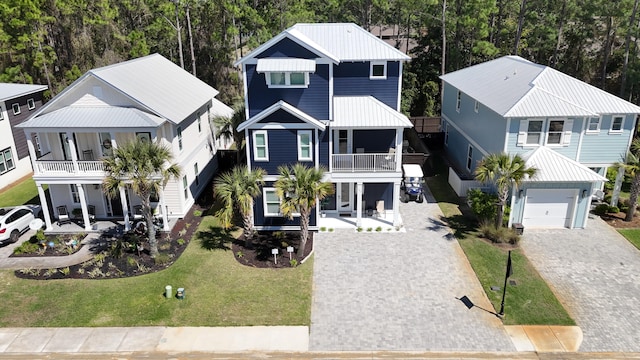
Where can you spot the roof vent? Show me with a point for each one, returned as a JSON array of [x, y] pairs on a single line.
[[515, 71]]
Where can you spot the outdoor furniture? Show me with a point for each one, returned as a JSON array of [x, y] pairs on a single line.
[[137, 212], [63, 215], [92, 213], [87, 155], [380, 211]]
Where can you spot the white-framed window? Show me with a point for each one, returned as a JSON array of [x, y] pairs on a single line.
[[476, 106], [196, 171], [6, 160], [446, 134], [305, 146], [378, 70], [593, 125], [179, 137], [260, 146], [16, 108], [287, 79], [458, 100], [469, 157], [75, 196], [554, 134], [530, 132], [199, 123], [617, 123], [185, 187], [271, 202], [31, 104]]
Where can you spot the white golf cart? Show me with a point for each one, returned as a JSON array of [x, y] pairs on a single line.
[[411, 186]]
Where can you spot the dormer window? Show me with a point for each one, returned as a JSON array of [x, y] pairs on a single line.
[[286, 72], [378, 70]]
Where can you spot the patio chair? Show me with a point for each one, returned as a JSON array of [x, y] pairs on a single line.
[[380, 211], [87, 155], [391, 158], [63, 215], [137, 212]]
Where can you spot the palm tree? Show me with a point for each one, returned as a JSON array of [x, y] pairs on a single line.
[[632, 168], [236, 189], [145, 167], [504, 171], [226, 127], [300, 187]]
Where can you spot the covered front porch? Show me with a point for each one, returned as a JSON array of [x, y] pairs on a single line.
[[97, 226], [383, 222]]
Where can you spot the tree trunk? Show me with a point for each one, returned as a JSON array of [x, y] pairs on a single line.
[[554, 60], [627, 44], [151, 231], [247, 231], [605, 53], [304, 231], [523, 8], [633, 197]]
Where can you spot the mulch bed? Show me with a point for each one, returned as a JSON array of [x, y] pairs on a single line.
[[59, 247], [260, 256], [617, 220]]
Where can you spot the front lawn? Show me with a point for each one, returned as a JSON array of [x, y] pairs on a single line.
[[633, 235], [218, 292], [21, 193]]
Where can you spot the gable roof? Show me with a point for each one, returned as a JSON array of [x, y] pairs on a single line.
[[340, 42], [555, 167], [282, 105], [514, 87], [12, 91], [365, 112]]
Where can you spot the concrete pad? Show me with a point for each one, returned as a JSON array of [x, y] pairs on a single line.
[[519, 338], [7, 336], [67, 340], [141, 339], [543, 338], [31, 340], [103, 340], [569, 336]]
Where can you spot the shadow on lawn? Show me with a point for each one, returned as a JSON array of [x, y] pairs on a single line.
[[462, 225], [216, 238]]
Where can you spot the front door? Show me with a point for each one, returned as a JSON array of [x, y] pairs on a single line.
[[114, 206], [344, 197]]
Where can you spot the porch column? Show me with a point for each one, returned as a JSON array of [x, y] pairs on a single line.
[[617, 187], [72, 150], [399, 133], [163, 210], [359, 204], [32, 152], [125, 209], [83, 205], [112, 135], [396, 203], [45, 207]]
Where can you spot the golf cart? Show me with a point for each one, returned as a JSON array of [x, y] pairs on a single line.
[[411, 186]]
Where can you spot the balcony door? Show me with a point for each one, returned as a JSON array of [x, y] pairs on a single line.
[[342, 141]]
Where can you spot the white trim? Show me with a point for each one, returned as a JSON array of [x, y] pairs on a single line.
[[506, 135], [179, 138], [565, 135], [287, 80], [255, 146], [282, 126], [613, 117], [446, 133], [398, 109], [316, 147], [265, 212], [1, 113], [588, 123], [246, 92], [469, 139], [585, 124], [384, 70], [330, 99], [286, 107], [31, 104], [13, 107], [523, 133], [300, 146]]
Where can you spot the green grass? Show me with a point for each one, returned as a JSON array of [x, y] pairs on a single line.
[[633, 235], [24, 192], [218, 292], [530, 302]]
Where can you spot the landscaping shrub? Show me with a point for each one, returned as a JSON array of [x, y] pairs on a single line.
[[612, 172], [613, 209], [498, 235], [482, 204], [27, 247], [601, 209]]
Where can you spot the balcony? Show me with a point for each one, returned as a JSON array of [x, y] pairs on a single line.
[[361, 163], [66, 168]]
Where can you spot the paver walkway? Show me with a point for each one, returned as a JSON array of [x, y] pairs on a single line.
[[398, 291], [595, 273]]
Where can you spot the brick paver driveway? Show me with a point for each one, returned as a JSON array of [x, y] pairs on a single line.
[[595, 273], [375, 291]]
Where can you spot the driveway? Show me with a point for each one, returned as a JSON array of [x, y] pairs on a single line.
[[398, 291], [595, 273]]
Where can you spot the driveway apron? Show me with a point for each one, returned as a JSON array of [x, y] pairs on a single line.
[[400, 291], [595, 273]]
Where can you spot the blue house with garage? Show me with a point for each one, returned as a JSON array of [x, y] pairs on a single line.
[[327, 95], [567, 129]]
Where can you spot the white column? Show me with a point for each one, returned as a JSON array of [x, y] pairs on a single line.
[[399, 133], [617, 187], [163, 209], [32, 153], [125, 209], [359, 204], [83, 205], [72, 150], [396, 203], [45, 206]]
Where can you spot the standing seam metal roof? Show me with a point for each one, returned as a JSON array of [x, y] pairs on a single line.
[[12, 91], [555, 167], [365, 112]]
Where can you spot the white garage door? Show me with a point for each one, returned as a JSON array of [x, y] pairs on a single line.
[[549, 208]]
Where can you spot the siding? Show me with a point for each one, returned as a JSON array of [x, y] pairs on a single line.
[[287, 48], [261, 220], [313, 100], [604, 147], [283, 150], [456, 149], [324, 148], [374, 141], [570, 151], [19, 137], [353, 79]]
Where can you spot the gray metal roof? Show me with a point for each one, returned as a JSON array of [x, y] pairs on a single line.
[[514, 87], [365, 112], [339, 42], [554, 167], [12, 91], [285, 64], [94, 118]]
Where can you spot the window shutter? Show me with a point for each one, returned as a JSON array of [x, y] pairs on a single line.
[[567, 129], [522, 133]]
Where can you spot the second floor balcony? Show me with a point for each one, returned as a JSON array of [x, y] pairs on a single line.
[[68, 168], [361, 163]]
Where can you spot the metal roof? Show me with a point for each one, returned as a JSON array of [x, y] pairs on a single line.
[[285, 64], [12, 91], [514, 87], [340, 42], [555, 167], [93, 117], [218, 108], [282, 105], [365, 112]]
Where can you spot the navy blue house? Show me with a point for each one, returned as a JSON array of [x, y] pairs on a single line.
[[326, 95]]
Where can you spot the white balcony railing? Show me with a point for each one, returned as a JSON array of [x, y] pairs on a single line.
[[66, 168], [363, 162]]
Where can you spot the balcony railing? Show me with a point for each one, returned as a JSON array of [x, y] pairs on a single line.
[[363, 162], [66, 168]]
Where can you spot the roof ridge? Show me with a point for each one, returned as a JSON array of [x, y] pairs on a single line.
[[124, 63]]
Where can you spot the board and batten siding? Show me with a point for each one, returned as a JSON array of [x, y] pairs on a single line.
[[604, 147], [352, 79], [282, 148], [313, 100]]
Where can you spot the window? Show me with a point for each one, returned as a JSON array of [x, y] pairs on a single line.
[[304, 145], [199, 123], [6, 161], [271, 202], [196, 172], [469, 157], [554, 136], [534, 132], [593, 125], [476, 106], [458, 101], [74, 193], [16, 108], [616, 123], [260, 146], [180, 137], [31, 104], [287, 79], [378, 70], [185, 187]]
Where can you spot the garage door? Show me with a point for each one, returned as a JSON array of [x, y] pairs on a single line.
[[549, 208]]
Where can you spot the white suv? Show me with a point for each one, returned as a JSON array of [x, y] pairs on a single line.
[[14, 221]]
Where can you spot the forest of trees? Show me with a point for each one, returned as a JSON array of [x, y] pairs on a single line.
[[53, 42]]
